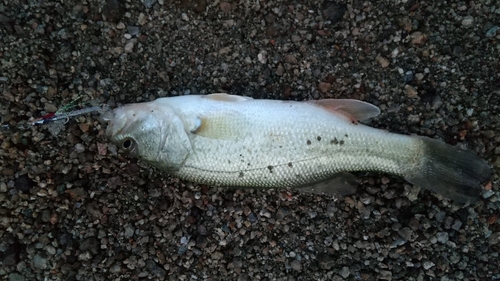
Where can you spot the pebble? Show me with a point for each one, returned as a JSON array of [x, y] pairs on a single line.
[[344, 272], [280, 70], [129, 231], [291, 59], [428, 265], [382, 61], [442, 237], [492, 31], [50, 108], [324, 87], [334, 12], [411, 92], [79, 148], [295, 265], [468, 21], [418, 38], [16, 277], [40, 261], [23, 183]]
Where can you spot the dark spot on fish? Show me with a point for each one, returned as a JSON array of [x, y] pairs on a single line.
[[308, 142], [290, 164], [229, 161], [341, 142], [249, 164], [133, 114], [318, 138], [152, 110], [346, 136], [241, 155], [270, 169], [334, 141], [241, 174], [280, 146]]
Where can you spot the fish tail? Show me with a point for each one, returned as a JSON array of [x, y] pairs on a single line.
[[450, 171]]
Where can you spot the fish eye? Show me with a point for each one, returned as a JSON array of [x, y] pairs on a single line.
[[127, 144]]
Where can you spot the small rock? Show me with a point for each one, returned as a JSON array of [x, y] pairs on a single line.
[[428, 264], [406, 233], [382, 61], [16, 277], [102, 148], [48, 107], [344, 272], [225, 7], [142, 19], [23, 183], [468, 21], [39, 261], [79, 148], [91, 245], [281, 70], [113, 10], [133, 30], [291, 59], [385, 275], [129, 47], [334, 12], [324, 87], [148, 3], [492, 31], [155, 269], [442, 237], [295, 265], [494, 239], [418, 38], [295, 38], [217, 255], [410, 91], [262, 57], [129, 231]]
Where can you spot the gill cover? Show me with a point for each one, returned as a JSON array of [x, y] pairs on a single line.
[[151, 132]]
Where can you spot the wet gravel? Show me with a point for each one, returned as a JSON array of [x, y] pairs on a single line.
[[72, 208]]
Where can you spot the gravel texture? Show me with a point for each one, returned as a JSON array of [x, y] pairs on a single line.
[[72, 208]]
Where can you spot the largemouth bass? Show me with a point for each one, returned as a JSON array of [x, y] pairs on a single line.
[[235, 141]]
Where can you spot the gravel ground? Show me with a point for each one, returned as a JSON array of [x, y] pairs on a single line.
[[72, 208]]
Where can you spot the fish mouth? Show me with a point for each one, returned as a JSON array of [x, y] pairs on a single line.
[[115, 120]]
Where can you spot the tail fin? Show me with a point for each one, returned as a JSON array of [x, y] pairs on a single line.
[[450, 171]]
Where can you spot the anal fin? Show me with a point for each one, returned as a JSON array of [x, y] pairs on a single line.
[[342, 184]]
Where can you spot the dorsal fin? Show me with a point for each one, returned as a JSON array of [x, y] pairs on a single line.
[[355, 110], [226, 97]]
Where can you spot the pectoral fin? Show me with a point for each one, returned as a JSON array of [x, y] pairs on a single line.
[[222, 126], [342, 184], [355, 110]]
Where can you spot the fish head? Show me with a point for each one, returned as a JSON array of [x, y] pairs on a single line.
[[150, 132]]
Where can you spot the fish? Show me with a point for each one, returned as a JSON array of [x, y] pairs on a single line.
[[236, 141]]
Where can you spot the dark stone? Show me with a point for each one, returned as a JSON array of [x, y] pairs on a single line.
[[113, 10], [90, 244], [334, 12], [12, 254], [23, 183]]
